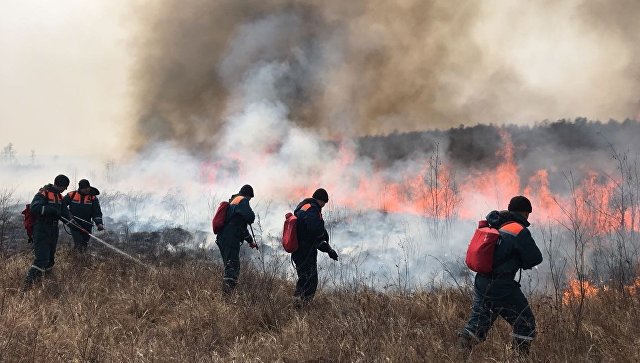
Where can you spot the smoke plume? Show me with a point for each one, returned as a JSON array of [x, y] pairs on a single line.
[[369, 66]]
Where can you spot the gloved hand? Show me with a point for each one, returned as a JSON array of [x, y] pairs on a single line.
[[100, 227], [324, 246], [52, 211], [333, 254], [250, 241]]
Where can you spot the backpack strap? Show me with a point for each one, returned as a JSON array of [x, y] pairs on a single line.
[[513, 228], [237, 200]]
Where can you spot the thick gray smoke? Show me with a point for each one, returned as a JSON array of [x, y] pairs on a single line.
[[369, 66]]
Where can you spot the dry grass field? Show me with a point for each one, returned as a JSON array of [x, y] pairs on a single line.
[[106, 309]]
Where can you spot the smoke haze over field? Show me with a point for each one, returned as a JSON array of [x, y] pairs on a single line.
[[368, 66]]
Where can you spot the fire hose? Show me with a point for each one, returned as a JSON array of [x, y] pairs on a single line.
[[80, 219], [74, 224]]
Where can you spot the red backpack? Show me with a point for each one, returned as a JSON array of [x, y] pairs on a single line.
[[218, 219], [290, 233], [481, 248], [29, 220]]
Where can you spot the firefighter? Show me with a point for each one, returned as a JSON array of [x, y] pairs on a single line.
[[239, 215], [497, 293], [85, 211], [47, 207], [312, 236]]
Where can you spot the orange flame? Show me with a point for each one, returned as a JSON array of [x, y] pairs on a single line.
[[432, 190], [578, 288], [573, 293]]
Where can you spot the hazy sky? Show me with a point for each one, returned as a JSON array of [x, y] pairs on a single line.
[[365, 66], [63, 75]]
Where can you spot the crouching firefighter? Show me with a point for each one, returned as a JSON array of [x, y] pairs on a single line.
[[234, 232], [312, 236], [497, 293], [47, 208], [85, 211]]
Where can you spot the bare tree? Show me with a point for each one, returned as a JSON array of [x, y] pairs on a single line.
[[175, 205], [578, 222], [6, 205], [440, 193], [623, 218], [109, 201], [557, 262], [109, 171], [9, 153]]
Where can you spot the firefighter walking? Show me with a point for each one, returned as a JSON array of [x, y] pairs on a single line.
[[312, 237], [497, 293], [238, 216], [47, 208], [85, 211]]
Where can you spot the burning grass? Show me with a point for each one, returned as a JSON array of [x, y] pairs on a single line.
[[106, 309]]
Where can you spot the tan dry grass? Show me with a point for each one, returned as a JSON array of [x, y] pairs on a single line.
[[108, 310]]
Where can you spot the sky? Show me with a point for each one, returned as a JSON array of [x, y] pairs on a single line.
[[63, 71]]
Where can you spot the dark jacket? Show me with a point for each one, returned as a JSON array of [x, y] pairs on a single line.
[[47, 206], [310, 226], [84, 206], [516, 249], [239, 215]]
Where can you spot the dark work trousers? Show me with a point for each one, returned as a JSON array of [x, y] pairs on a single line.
[[45, 242], [306, 261], [500, 297], [230, 253], [80, 239]]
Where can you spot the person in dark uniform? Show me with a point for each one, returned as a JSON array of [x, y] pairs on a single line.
[[312, 237], [497, 293], [47, 207], [85, 211], [234, 233]]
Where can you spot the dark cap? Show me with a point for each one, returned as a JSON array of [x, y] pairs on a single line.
[[322, 195], [246, 190], [61, 181], [83, 183], [520, 204]]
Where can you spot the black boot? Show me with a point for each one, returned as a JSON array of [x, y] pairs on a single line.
[[299, 303], [465, 345], [228, 287], [33, 275], [27, 284], [521, 346]]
